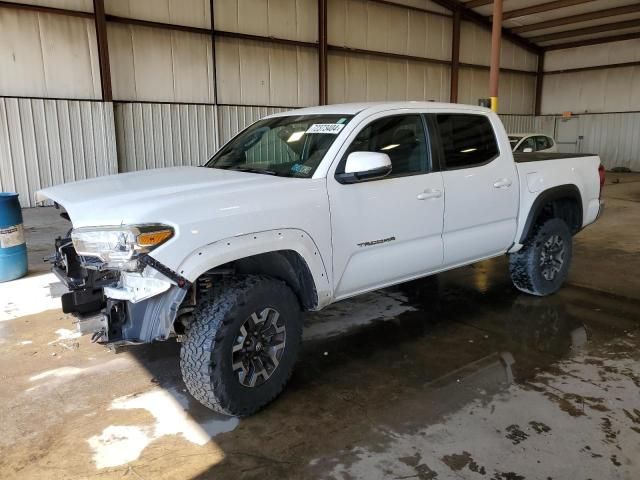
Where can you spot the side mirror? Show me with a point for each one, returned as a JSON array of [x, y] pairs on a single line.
[[527, 150], [363, 166]]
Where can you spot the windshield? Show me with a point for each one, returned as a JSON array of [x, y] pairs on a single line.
[[513, 140], [290, 146]]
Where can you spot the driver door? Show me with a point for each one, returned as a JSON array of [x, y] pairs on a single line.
[[387, 230]]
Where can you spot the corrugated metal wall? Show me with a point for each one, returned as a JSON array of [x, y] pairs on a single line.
[[46, 55], [517, 90], [47, 142], [354, 78], [593, 55], [193, 13], [165, 90], [233, 118], [259, 73], [154, 135], [612, 136], [610, 90], [366, 25], [154, 64], [591, 91], [387, 28], [426, 4], [529, 124], [291, 19], [80, 5], [475, 48]]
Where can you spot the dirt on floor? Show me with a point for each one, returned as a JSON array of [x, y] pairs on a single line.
[[453, 376]]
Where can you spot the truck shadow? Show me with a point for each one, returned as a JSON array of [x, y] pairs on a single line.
[[428, 347]]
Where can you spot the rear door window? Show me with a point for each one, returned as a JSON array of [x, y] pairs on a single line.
[[466, 140]]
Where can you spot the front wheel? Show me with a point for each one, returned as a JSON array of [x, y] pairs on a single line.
[[240, 349], [542, 264]]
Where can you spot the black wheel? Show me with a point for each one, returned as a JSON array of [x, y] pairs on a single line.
[[542, 264], [240, 349]]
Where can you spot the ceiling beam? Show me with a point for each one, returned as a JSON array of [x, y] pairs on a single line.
[[543, 7], [594, 67], [586, 31], [593, 41], [584, 17], [477, 3], [468, 14], [40, 9], [410, 7]]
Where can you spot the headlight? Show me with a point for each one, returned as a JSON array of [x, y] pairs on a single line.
[[116, 246]]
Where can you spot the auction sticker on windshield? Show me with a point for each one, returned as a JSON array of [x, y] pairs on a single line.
[[331, 128]]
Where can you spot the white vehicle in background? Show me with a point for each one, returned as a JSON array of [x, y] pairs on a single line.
[[532, 142], [298, 211]]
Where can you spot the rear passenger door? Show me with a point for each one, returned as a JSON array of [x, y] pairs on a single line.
[[481, 188]]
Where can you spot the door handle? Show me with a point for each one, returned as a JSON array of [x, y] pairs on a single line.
[[502, 183], [429, 193]]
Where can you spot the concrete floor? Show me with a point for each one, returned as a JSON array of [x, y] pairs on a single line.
[[454, 376]]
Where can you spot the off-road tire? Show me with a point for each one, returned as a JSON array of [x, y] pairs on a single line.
[[205, 357], [524, 265]]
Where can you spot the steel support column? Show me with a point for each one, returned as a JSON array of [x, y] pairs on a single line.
[[494, 72], [103, 50], [322, 52], [455, 56], [213, 55], [539, 82]]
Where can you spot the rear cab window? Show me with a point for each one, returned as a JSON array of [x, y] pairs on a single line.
[[529, 143], [513, 141], [466, 140]]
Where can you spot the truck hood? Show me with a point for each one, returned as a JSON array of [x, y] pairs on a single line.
[[155, 195]]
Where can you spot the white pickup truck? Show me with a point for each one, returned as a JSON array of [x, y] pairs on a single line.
[[300, 210]]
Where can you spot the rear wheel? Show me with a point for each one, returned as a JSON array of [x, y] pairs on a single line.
[[240, 349], [542, 264]]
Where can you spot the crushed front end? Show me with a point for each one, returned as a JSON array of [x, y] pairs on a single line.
[[117, 292]]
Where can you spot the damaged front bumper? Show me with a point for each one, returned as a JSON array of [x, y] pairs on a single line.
[[119, 307]]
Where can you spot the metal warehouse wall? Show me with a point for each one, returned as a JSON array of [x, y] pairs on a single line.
[[155, 64], [359, 26], [155, 135], [176, 90], [592, 82], [255, 73], [516, 90], [571, 83], [47, 142], [612, 136], [529, 123], [45, 55]]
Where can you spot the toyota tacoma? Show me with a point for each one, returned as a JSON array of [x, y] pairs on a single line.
[[302, 209]]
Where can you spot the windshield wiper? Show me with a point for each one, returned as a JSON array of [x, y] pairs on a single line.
[[254, 170]]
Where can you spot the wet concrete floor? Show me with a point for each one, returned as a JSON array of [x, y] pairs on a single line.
[[453, 376]]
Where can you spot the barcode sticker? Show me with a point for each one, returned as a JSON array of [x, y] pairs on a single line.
[[330, 128], [11, 236]]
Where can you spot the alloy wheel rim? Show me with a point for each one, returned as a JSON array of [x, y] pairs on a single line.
[[258, 347], [552, 257]]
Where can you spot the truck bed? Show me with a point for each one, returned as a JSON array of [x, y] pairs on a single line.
[[520, 157]]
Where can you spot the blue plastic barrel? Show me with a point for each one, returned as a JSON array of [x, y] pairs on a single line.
[[13, 249]]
